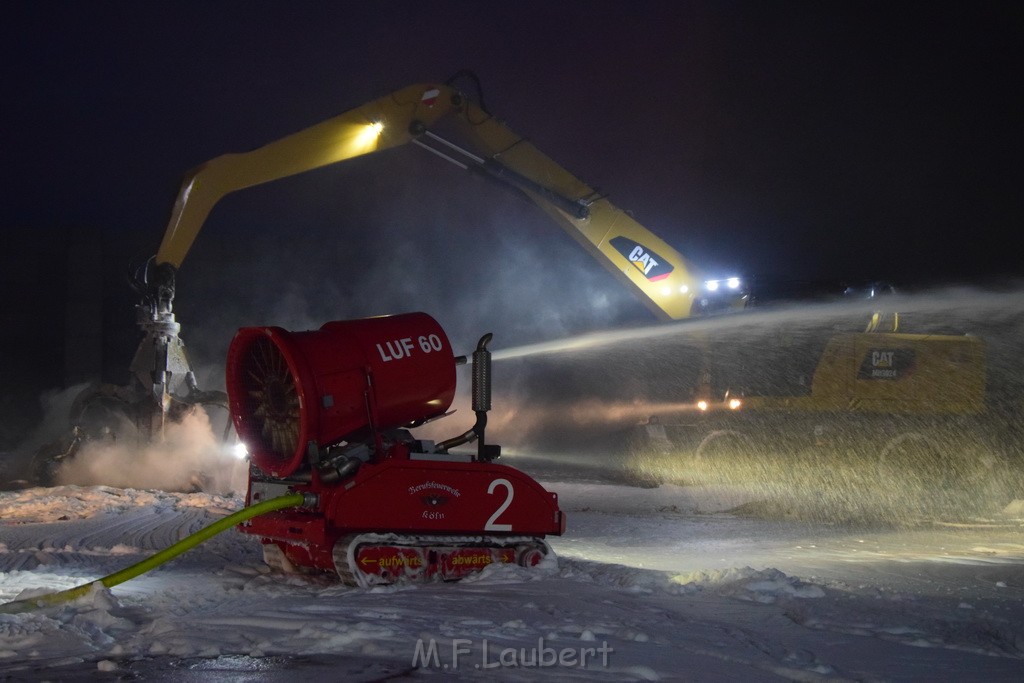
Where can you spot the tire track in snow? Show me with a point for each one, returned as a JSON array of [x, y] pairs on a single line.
[[109, 538]]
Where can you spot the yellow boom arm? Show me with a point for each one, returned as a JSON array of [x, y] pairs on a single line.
[[664, 280]]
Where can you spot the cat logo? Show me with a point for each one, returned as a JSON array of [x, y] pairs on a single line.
[[653, 267], [887, 364]]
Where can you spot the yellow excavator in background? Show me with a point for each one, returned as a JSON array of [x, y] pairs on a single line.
[[163, 386], [860, 372]]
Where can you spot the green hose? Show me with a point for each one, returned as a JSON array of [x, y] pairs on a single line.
[[187, 543]]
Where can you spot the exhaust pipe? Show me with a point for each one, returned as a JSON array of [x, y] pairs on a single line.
[[481, 403]]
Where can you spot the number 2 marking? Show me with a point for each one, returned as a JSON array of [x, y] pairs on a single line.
[[492, 524]]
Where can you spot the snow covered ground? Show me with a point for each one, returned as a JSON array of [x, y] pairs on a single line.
[[649, 584]]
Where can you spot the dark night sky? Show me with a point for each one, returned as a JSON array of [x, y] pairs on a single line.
[[860, 140]]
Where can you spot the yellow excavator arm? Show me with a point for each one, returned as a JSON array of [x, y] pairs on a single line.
[[163, 382], [662, 278]]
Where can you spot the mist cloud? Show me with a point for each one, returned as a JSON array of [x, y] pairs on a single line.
[[188, 458]]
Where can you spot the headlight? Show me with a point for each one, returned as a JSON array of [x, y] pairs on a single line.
[[733, 283], [240, 451]]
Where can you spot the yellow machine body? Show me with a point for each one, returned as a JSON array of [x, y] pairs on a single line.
[[892, 373]]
